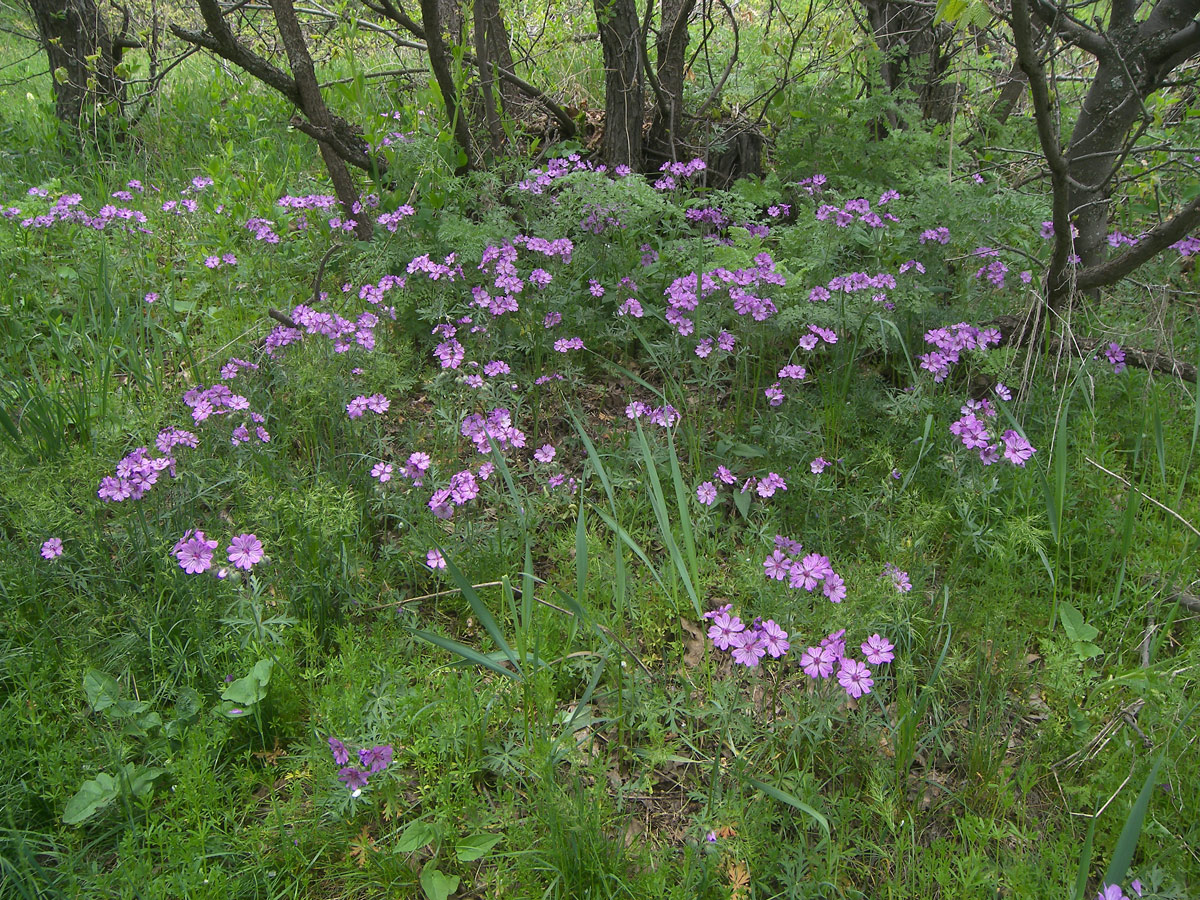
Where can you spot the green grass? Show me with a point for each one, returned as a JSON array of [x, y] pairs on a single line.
[[553, 688]]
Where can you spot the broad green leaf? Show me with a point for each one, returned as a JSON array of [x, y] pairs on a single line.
[[475, 846], [92, 797], [415, 836], [141, 779], [1077, 630], [253, 687], [102, 690], [436, 884]]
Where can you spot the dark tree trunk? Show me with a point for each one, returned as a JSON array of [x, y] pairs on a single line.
[[499, 55], [667, 127], [916, 55], [1134, 59], [620, 40], [81, 54], [313, 105], [439, 62]]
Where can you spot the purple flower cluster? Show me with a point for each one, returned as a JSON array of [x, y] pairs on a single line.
[[854, 676], [805, 572], [537, 180], [675, 172], [858, 210], [67, 209], [851, 283], [685, 293], [195, 552], [371, 761], [664, 416], [973, 432], [950, 342], [725, 342], [138, 471], [497, 426], [812, 185], [940, 235], [899, 578], [1116, 357], [343, 333], [376, 403], [1189, 246], [748, 645]]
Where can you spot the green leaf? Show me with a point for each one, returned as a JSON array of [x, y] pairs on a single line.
[[1127, 842], [92, 797], [141, 779], [794, 802], [436, 884], [475, 846], [102, 690], [252, 688], [415, 836], [1077, 630], [741, 499], [469, 653]]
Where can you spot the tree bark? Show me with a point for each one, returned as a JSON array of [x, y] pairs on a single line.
[[915, 52], [431, 24], [667, 127], [80, 50], [620, 40], [313, 106]]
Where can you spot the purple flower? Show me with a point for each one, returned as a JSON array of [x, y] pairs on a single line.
[[1111, 892], [52, 548], [878, 650], [774, 639], [377, 758], [244, 551], [770, 484], [834, 588], [545, 453], [353, 778], [435, 560], [707, 493], [195, 552], [818, 465], [777, 565], [1116, 357], [713, 613], [855, 677], [748, 648], [817, 662], [382, 471], [1002, 391], [150, 297], [724, 629], [340, 755], [1017, 450]]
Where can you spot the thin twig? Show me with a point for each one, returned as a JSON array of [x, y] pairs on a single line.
[[1161, 506]]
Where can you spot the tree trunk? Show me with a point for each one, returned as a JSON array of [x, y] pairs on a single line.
[[667, 128], [620, 40], [431, 23], [915, 55], [79, 47], [313, 105]]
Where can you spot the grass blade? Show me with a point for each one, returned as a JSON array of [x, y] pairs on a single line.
[[470, 654], [796, 803], [482, 613]]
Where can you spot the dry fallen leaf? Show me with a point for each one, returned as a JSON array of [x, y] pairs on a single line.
[[362, 846], [738, 876]]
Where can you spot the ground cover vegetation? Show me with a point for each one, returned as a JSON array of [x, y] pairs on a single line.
[[691, 451]]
